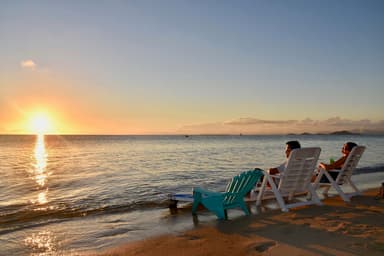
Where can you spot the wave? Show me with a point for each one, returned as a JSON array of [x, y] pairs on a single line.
[[13, 218]]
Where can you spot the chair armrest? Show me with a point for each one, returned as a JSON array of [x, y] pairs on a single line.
[[334, 170], [277, 176]]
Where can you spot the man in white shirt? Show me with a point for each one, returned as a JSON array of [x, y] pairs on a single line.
[[290, 145]]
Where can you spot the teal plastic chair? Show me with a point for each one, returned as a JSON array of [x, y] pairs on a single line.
[[233, 197]]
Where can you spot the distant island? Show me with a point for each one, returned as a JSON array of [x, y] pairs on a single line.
[[344, 133], [331, 133]]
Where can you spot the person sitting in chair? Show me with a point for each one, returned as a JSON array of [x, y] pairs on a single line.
[[290, 145], [338, 164]]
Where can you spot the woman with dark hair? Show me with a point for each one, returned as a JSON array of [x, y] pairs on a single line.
[[338, 164]]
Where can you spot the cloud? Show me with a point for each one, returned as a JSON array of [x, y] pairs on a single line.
[[260, 126], [254, 121], [28, 64], [337, 121]]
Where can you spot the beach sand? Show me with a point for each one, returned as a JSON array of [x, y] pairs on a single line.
[[336, 228]]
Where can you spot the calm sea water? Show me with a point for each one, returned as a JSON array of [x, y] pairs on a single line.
[[63, 195]]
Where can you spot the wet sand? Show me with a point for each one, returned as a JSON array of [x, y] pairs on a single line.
[[336, 228]]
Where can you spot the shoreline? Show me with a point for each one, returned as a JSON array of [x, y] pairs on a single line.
[[336, 228]]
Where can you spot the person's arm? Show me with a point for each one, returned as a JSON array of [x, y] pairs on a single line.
[[338, 164], [279, 169], [273, 171]]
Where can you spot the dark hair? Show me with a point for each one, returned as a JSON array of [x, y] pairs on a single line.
[[293, 144], [350, 145]]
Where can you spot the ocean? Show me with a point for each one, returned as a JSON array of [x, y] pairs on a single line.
[[68, 195]]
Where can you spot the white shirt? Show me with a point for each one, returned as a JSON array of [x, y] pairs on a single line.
[[282, 167]]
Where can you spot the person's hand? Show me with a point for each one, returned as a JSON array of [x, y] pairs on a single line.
[[322, 166]]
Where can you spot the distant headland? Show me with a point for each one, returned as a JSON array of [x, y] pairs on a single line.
[[344, 132]]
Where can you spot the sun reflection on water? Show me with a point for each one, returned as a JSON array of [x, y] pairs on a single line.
[[42, 197], [39, 172], [41, 161], [43, 243]]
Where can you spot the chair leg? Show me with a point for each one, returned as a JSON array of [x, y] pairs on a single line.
[[340, 191], [244, 207], [221, 214], [278, 196], [331, 182], [196, 202], [357, 191], [312, 196], [261, 191], [318, 178]]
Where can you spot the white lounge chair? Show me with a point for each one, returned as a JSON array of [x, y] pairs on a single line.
[[294, 182], [344, 176]]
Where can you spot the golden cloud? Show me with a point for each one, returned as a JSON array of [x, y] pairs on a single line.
[[29, 64]]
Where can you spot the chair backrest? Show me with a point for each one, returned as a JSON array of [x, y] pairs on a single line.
[[350, 164], [299, 170], [241, 184]]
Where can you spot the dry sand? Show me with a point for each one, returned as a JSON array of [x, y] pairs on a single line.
[[336, 228]]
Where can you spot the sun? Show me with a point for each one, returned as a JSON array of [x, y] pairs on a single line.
[[40, 123]]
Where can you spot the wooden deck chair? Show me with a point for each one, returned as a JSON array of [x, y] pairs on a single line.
[[294, 182], [233, 197], [344, 176]]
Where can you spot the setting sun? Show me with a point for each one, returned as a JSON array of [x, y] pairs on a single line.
[[40, 123]]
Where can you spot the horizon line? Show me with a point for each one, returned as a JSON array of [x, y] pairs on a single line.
[[343, 132]]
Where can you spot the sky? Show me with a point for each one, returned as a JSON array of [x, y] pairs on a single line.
[[191, 67]]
